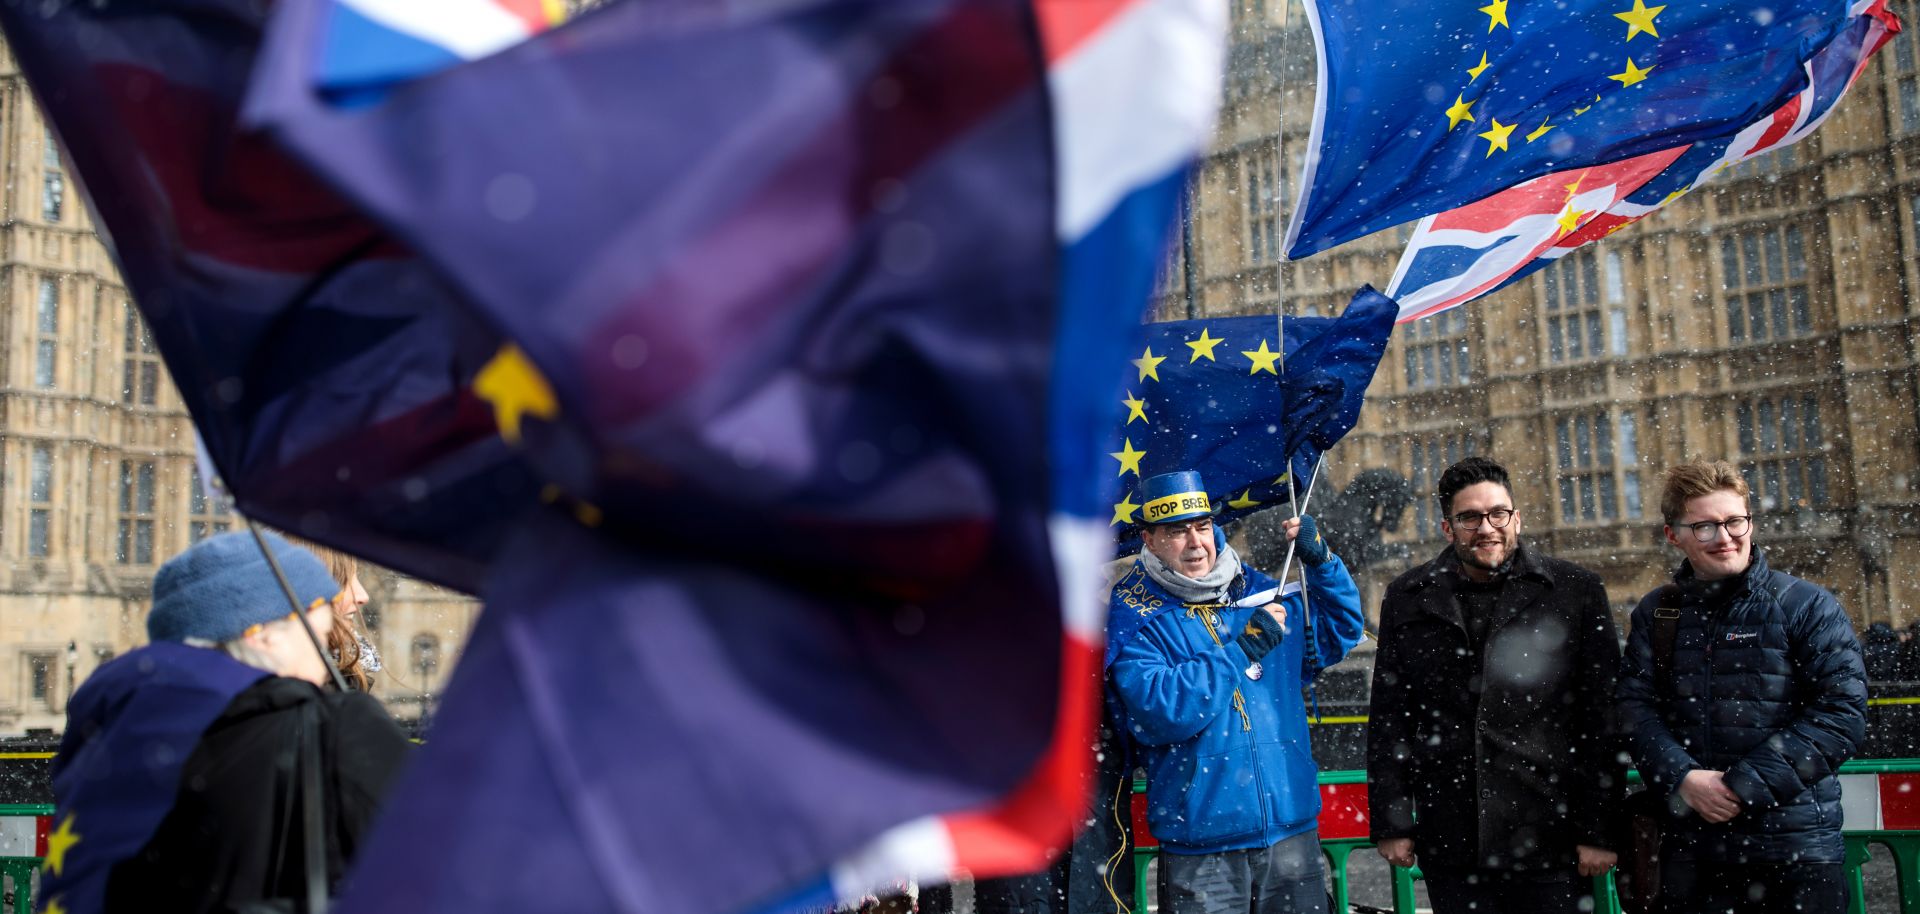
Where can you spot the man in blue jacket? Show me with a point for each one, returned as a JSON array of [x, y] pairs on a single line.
[[1207, 659], [1742, 691]]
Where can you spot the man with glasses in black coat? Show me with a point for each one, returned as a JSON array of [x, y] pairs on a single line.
[[1490, 755]]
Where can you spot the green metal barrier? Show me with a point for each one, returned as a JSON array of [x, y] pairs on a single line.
[[1903, 846]]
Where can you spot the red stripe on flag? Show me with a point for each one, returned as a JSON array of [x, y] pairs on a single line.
[[1888, 20], [1784, 117], [1067, 24], [1600, 227], [1542, 196], [531, 13], [1037, 819], [1900, 802], [225, 193], [1494, 214]]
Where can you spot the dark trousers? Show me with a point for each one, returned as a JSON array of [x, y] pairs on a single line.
[[1700, 887], [1501, 892], [1287, 878], [1040, 893]]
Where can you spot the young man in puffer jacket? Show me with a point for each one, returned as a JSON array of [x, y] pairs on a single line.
[[1743, 728]]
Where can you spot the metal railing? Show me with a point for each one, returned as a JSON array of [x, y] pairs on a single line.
[[1901, 843], [20, 874]]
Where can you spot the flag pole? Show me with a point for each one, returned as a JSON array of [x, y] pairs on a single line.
[[1187, 272], [1306, 604], [215, 489], [1302, 506], [286, 587], [309, 770]]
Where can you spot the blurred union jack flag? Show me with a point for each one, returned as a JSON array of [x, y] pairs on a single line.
[[752, 360]]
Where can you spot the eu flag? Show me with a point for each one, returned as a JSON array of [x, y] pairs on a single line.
[[1423, 107], [116, 784], [1249, 402]]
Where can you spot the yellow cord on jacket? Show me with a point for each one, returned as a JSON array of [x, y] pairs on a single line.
[[1210, 614], [1113, 862]]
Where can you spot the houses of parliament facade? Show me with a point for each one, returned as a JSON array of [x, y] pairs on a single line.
[[1770, 318], [97, 473]]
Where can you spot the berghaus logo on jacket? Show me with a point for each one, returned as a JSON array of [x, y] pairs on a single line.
[[1742, 636]]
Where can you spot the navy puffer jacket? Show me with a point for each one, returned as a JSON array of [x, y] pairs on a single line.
[[1768, 686]]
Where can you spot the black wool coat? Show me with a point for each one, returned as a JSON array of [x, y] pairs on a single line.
[[236, 834], [1508, 759], [1769, 688]]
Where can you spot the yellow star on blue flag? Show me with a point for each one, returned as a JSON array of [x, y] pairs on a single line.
[[1235, 420], [517, 389]]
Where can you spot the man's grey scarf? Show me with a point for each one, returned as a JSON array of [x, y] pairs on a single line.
[[1210, 588]]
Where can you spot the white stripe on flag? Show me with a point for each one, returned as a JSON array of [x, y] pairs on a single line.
[[920, 851], [1081, 546], [467, 29], [1133, 103]]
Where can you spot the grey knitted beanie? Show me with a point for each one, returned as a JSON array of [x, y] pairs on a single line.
[[221, 586]]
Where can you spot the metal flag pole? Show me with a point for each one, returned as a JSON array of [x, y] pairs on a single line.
[[1306, 604], [1293, 497], [1287, 567], [309, 769], [215, 489], [286, 587]]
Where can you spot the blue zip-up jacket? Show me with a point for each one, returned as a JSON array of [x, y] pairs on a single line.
[[1225, 775]]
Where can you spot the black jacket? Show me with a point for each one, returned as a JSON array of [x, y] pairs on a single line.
[[1506, 760], [1767, 687], [236, 832], [1880, 647]]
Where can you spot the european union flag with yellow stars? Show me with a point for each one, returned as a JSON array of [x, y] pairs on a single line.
[[1249, 402], [1424, 106]]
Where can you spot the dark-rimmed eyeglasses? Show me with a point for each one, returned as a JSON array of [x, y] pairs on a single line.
[[1470, 520], [1706, 531]]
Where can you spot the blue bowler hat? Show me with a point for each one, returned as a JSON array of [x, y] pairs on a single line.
[[1171, 497]]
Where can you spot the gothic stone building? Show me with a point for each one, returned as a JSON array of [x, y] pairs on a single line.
[[97, 477], [1769, 319]]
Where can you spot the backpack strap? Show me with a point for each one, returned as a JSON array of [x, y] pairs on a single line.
[[1666, 631], [312, 811]]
